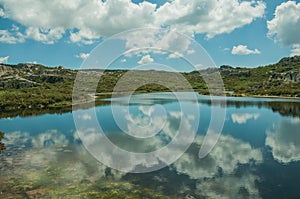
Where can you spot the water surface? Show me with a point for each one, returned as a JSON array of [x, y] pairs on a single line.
[[256, 156]]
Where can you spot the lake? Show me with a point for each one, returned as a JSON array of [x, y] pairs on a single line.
[[256, 156]]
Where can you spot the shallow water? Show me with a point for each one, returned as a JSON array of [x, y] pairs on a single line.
[[256, 156]]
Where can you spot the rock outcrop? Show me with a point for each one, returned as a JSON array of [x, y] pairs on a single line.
[[287, 77], [289, 61], [234, 72], [292, 76], [31, 75], [5, 70]]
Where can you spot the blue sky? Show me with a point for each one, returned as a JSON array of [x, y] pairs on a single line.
[[237, 33]]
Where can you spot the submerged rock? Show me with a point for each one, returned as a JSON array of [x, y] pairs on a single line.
[[49, 143]]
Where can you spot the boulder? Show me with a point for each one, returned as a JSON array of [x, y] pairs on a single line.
[[292, 76]]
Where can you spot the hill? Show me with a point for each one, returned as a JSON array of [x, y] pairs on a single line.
[[280, 79], [33, 86]]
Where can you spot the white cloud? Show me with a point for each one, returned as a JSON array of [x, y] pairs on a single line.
[[243, 50], [85, 36], [4, 59], [53, 136], [83, 55], [228, 187], [148, 152], [226, 155], [86, 20], [146, 60], [189, 52], [198, 66], [155, 40], [295, 50], [89, 20], [285, 141], [123, 60], [285, 26], [39, 141], [46, 158], [211, 17], [175, 55], [146, 124], [85, 116], [242, 118], [11, 37], [47, 36]]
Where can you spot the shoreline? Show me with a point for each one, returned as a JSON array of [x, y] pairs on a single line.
[[69, 107], [122, 94], [276, 97], [266, 97]]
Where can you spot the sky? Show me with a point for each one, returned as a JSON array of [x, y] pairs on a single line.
[[65, 33]]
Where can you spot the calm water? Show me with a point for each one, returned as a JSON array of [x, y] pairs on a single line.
[[256, 156]]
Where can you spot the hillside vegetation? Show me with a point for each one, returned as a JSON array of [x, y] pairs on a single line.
[[32, 86]]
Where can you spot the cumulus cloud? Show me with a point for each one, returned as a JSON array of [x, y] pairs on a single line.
[[47, 36], [86, 21], [155, 40], [243, 50], [226, 155], [242, 118], [85, 36], [295, 50], [284, 27], [43, 140], [209, 17], [129, 154], [146, 60], [175, 55], [286, 22], [34, 156], [189, 52], [83, 55], [17, 137], [228, 187], [285, 141], [4, 59], [85, 116], [53, 136], [11, 37]]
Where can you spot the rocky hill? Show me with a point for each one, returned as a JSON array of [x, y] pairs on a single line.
[[32, 75], [32, 86], [280, 79]]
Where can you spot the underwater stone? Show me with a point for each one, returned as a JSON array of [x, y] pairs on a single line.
[[49, 143]]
